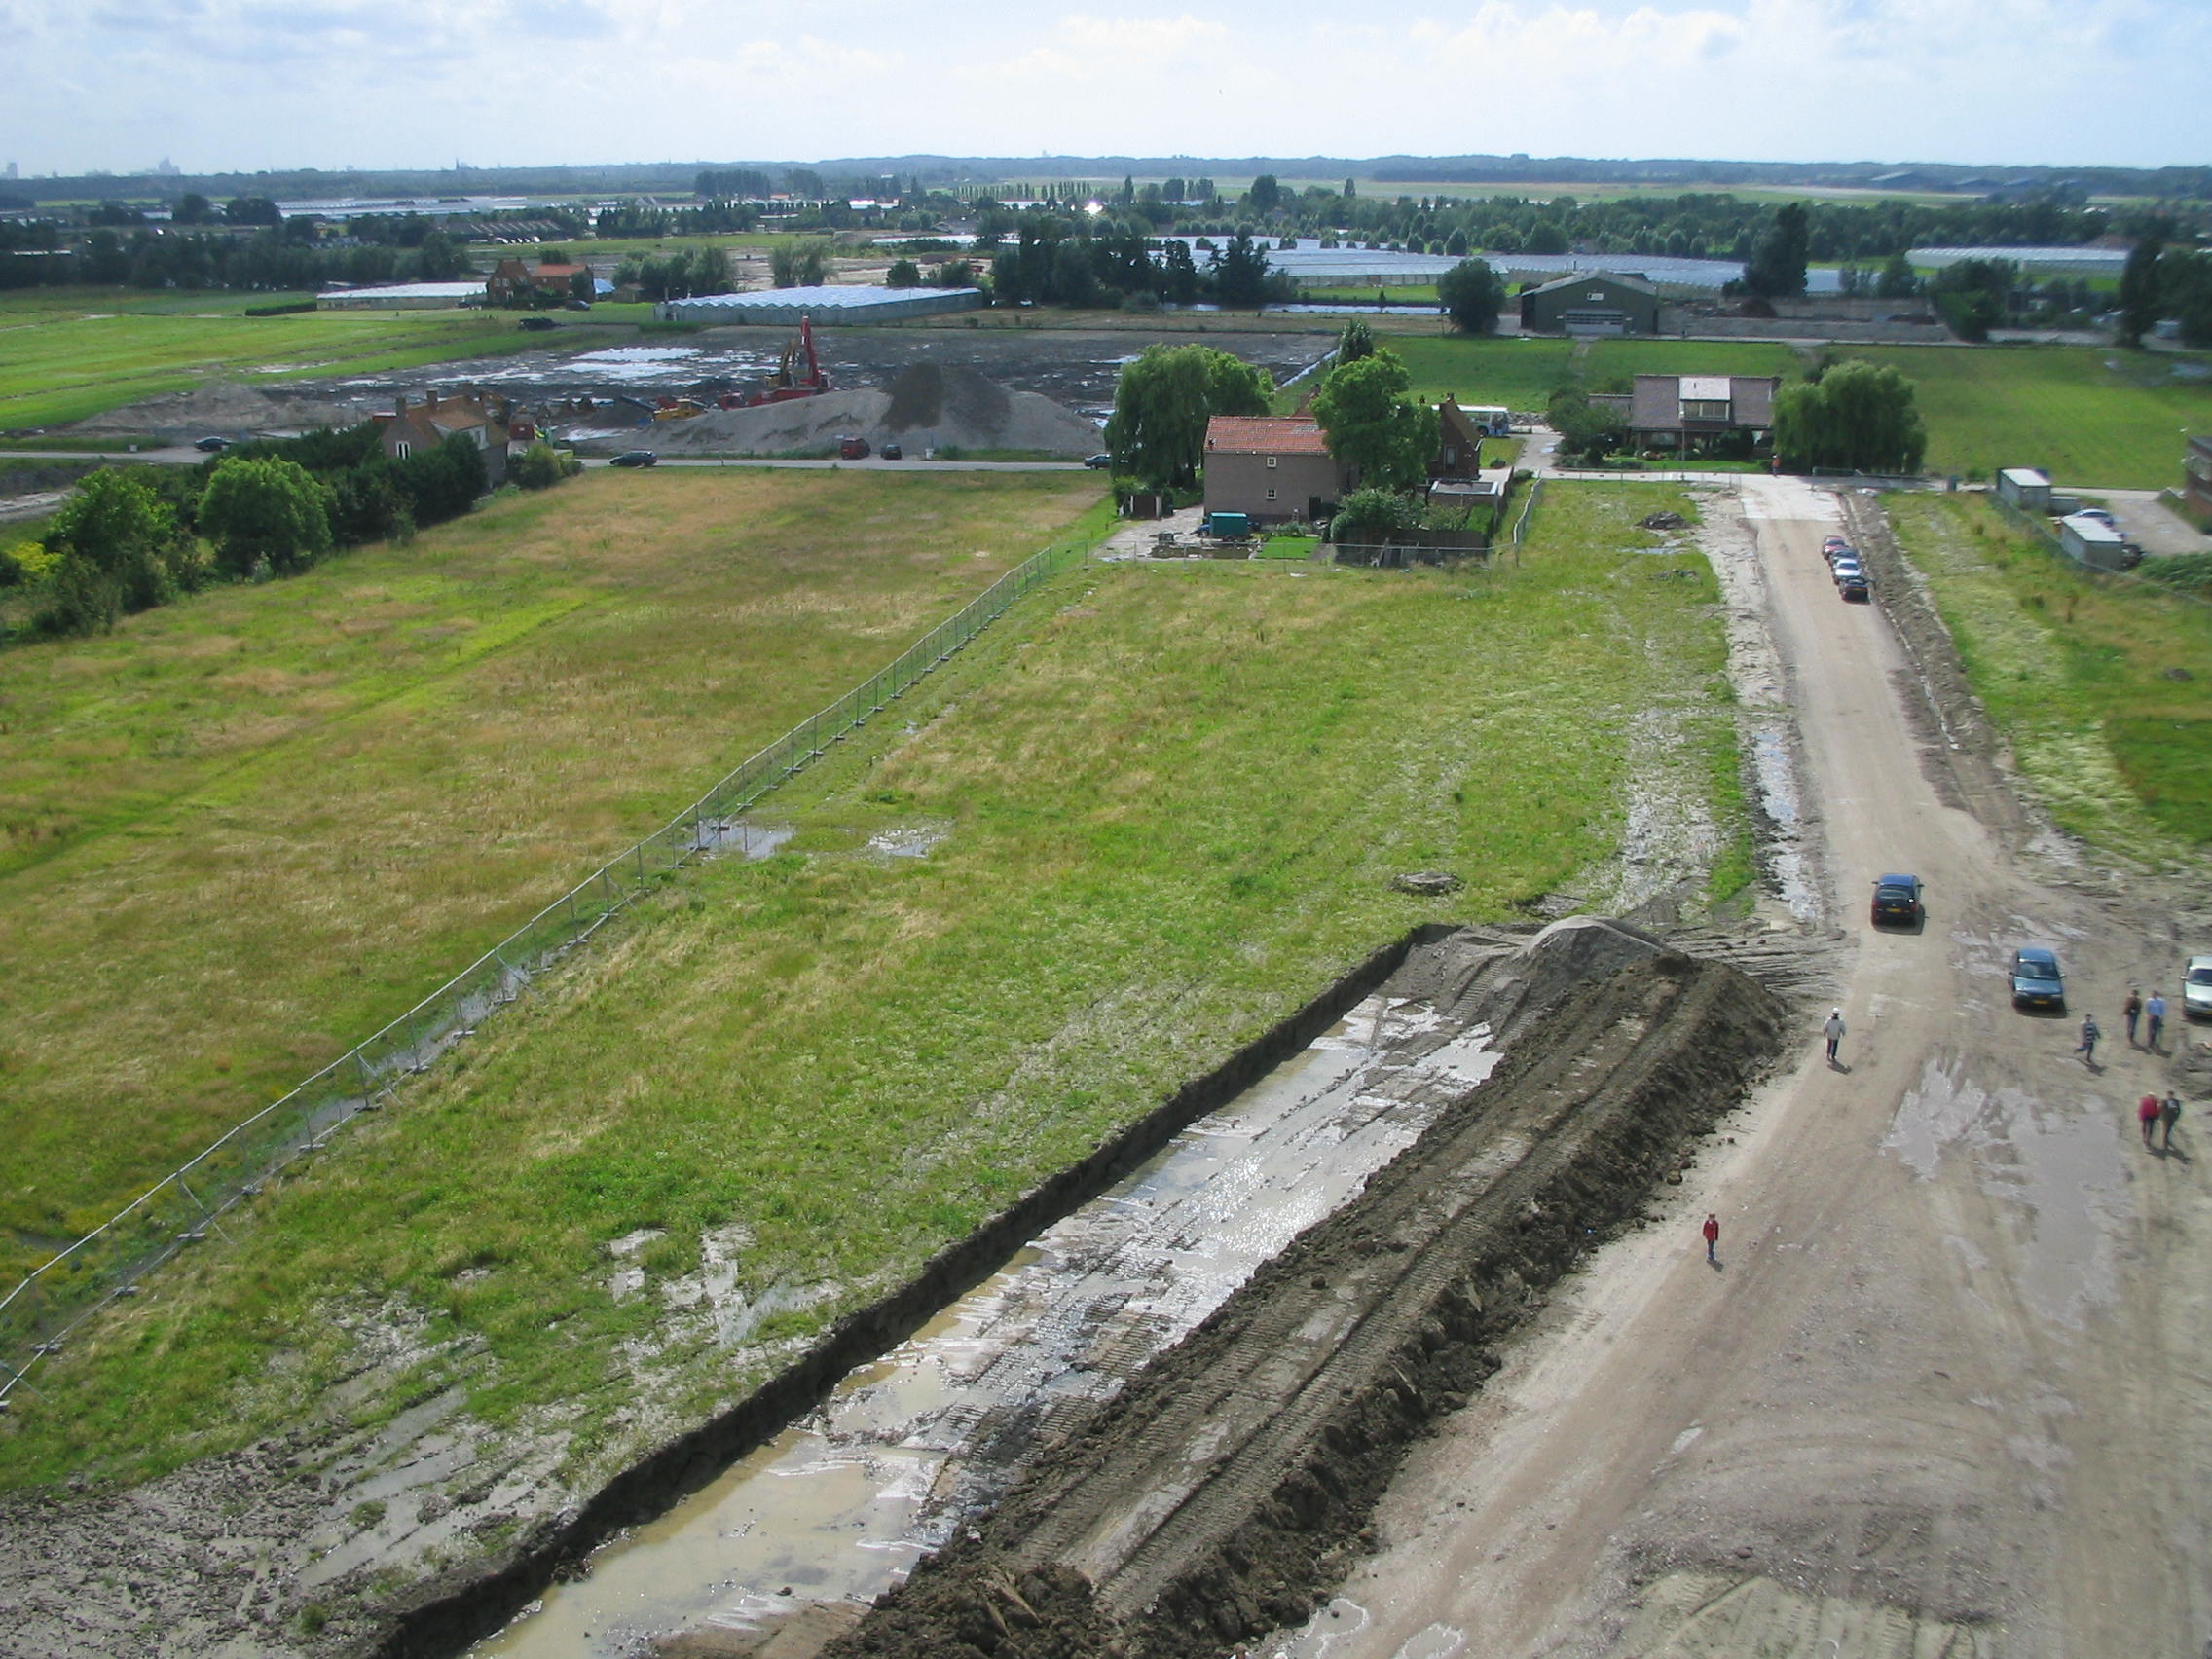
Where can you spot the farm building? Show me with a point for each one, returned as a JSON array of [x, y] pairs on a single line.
[[2093, 543], [1271, 468], [419, 428], [402, 296], [847, 303], [1597, 302], [1690, 413], [2025, 488], [2196, 480]]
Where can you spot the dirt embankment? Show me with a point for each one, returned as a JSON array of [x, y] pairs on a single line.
[[1230, 1486], [925, 407]]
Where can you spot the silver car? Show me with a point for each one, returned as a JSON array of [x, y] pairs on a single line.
[[2197, 988]]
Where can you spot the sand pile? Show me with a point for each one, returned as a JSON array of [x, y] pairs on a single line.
[[926, 407]]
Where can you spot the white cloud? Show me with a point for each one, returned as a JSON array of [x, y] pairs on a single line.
[[262, 84]]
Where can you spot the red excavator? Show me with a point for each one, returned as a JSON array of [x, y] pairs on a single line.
[[787, 382]]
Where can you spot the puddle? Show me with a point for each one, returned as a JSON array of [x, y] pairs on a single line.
[[735, 835], [916, 843], [840, 1505]]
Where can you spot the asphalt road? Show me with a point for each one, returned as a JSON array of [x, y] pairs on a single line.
[[1944, 1392]]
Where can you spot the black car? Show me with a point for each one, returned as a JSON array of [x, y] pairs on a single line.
[[2037, 981], [212, 446], [1854, 589], [634, 458], [1098, 463], [1896, 898], [892, 452]]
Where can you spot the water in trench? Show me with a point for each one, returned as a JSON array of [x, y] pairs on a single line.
[[839, 1505]]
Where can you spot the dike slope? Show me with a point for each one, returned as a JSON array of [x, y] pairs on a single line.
[[1226, 1491]]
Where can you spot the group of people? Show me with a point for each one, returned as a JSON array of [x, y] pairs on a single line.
[[2151, 1112], [2136, 1008]]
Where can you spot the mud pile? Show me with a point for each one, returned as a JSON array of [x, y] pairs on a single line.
[[222, 408], [925, 407], [1225, 1492]]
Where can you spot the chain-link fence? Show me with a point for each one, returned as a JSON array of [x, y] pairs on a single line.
[[186, 1207]]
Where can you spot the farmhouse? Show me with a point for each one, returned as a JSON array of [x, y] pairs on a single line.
[[1271, 468], [1595, 302], [511, 279], [1459, 434], [1692, 413], [417, 428]]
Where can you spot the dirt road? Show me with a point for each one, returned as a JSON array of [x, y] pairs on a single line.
[[1944, 1392]]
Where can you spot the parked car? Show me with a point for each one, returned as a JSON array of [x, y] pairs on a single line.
[[1848, 570], [1842, 550], [212, 446], [892, 452], [1855, 589], [2197, 988], [2099, 514], [1896, 898], [1832, 546], [852, 449], [2036, 979], [634, 458], [537, 324], [1098, 463]]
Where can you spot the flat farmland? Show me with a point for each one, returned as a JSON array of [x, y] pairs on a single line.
[[1621, 360], [68, 355], [1157, 807], [1520, 371], [243, 831], [2087, 415]]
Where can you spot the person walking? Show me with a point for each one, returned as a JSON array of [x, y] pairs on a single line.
[[2155, 1012], [1834, 1032], [1712, 1231], [2169, 1114], [2129, 1009], [2147, 1115], [2087, 1046]]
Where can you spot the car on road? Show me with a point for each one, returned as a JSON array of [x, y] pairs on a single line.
[[1836, 555], [1098, 463], [1897, 900], [2197, 988], [1849, 570], [2036, 979], [1832, 546], [1855, 589], [212, 445], [892, 452], [636, 458]]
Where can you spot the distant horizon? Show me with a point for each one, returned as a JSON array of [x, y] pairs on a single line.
[[234, 88]]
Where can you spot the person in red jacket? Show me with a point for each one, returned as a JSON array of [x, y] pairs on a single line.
[[2146, 1114], [1712, 1238]]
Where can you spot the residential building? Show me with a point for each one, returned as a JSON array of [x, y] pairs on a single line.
[[1591, 302], [1459, 434], [1693, 412], [419, 427], [512, 278], [1273, 467]]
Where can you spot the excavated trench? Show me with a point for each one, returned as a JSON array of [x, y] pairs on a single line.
[[1182, 1504]]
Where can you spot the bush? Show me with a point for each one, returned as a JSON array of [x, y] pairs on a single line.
[[537, 469], [271, 510], [27, 563]]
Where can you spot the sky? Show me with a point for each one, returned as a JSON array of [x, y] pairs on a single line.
[[243, 84]]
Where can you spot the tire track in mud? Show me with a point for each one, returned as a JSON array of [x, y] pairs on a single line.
[[1227, 1489]]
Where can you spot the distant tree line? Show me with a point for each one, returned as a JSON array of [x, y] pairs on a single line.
[[271, 261]]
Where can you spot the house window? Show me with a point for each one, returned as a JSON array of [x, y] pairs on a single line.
[[1271, 463], [1271, 492]]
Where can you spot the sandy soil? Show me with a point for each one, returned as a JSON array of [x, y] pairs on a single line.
[[1943, 1393]]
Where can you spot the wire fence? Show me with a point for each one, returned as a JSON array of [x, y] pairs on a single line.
[[186, 1207], [1527, 507], [2039, 530]]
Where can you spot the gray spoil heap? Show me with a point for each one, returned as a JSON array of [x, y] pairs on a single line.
[[924, 408]]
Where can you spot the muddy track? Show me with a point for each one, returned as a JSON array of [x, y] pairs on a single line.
[[1228, 1487]]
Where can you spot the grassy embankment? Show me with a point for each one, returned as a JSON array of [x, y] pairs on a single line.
[[69, 354], [1170, 801], [2073, 668], [242, 832]]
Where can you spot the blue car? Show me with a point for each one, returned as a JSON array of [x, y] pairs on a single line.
[[2037, 981]]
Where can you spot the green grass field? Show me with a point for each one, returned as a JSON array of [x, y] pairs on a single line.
[[2073, 668], [69, 354], [2087, 415], [1520, 371], [1614, 363], [242, 832], [1166, 802]]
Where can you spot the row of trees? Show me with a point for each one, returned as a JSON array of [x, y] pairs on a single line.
[[270, 262], [128, 541], [2162, 282]]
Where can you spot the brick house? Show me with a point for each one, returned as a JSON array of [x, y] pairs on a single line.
[[512, 278], [1273, 467], [419, 427]]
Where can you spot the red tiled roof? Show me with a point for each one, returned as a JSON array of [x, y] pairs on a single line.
[[1266, 434]]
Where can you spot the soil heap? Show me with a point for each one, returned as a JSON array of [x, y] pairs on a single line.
[[925, 408]]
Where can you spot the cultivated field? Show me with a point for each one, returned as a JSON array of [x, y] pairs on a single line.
[[2089, 415], [1160, 804], [242, 832], [2079, 673], [69, 354]]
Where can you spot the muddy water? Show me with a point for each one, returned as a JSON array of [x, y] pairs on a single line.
[[840, 1505]]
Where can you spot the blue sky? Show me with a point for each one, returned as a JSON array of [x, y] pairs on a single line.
[[220, 84]]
